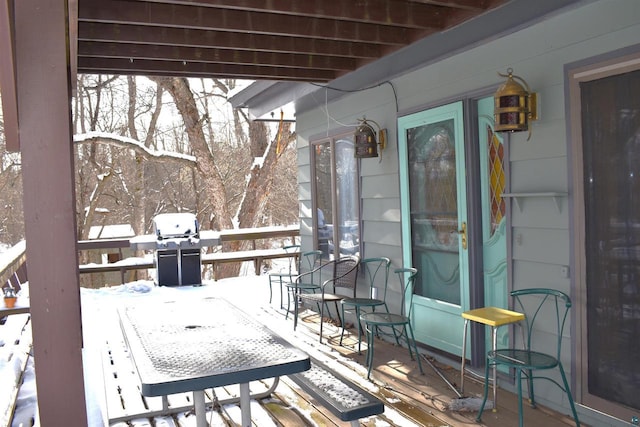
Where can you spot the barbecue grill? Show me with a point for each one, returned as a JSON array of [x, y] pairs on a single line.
[[178, 247], [177, 242]]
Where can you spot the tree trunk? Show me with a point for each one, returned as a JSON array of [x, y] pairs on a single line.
[[260, 180]]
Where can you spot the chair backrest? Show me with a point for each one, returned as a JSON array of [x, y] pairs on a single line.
[[377, 269], [542, 305], [407, 278], [309, 260], [345, 273], [290, 249]]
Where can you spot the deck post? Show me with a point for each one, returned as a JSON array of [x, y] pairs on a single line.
[[46, 142]]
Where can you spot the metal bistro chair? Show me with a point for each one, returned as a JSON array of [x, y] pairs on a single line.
[[344, 277], [374, 268], [311, 260], [287, 275], [400, 324], [550, 307]]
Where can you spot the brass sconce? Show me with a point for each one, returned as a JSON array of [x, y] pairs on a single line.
[[367, 139], [514, 105]]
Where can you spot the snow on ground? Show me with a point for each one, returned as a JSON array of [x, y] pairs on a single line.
[[99, 317], [98, 312]]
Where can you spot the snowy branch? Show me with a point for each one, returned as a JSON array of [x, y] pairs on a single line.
[[124, 142]]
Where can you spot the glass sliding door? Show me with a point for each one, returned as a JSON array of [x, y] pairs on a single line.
[[611, 187], [336, 197]]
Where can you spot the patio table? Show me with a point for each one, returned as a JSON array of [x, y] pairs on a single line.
[[192, 345]]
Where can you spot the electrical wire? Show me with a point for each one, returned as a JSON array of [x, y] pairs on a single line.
[[395, 94]]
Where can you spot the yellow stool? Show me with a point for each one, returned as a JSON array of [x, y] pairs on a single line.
[[490, 316]]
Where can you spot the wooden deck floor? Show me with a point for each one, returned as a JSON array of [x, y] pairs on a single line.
[[411, 399]]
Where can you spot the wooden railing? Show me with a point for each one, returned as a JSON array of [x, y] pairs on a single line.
[[219, 256], [14, 261], [13, 272]]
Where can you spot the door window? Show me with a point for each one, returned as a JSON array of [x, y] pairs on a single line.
[[434, 209]]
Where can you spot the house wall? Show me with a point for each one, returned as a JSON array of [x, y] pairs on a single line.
[[540, 231]]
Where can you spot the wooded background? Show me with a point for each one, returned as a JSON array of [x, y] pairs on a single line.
[[145, 146]]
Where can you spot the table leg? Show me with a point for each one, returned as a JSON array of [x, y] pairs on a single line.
[[494, 346], [464, 355], [245, 404], [201, 413]]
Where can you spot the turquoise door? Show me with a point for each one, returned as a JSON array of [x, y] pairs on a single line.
[[435, 203], [433, 199]]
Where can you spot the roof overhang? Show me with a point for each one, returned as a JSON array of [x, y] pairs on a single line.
[[262, 98]]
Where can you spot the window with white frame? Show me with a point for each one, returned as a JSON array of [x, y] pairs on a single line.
[[336, 196]]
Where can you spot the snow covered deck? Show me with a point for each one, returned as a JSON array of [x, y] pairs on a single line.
[[411, 399]]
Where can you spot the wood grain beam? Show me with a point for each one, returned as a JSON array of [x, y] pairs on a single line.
[[198, 69], [214, 55], [121, 33], [180, 16]]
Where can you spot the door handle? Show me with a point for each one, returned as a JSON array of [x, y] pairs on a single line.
[[463, 234]]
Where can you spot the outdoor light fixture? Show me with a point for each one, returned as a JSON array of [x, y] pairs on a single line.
[[514, 105], [367, 139]]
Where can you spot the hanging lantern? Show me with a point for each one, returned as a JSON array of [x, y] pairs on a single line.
[[515, 106], [366, 139]]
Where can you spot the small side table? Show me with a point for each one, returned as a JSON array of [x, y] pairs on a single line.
[[490, 316]]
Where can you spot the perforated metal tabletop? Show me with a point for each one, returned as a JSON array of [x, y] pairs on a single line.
[[197, 344]]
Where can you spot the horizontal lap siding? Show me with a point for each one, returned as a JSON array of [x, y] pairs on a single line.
[[540, 231]]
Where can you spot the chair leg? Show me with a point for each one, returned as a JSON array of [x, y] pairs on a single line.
[[295, 310], [342, 333], [395, 334], [337, 313], [321, 317], [270, 290], [415, 347], [369, 350], [532, 396], [520, 408], [569, 396], [286, 316], [359, 328], [486, 390]]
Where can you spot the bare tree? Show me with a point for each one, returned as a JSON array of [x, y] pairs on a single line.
[[146, 146]]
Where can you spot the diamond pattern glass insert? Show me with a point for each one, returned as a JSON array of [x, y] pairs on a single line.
[[496, 179]]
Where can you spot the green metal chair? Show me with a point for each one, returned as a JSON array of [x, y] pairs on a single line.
[[312, 279], [551, 308], [374, 269], [400, 324], [344, 275], [286, 275]]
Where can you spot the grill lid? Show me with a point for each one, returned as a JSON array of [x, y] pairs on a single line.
[[175, 225]]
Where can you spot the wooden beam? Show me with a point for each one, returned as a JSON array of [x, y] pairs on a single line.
[[199, 69], [135, 51], [44, 94], [125, 33], [8, 77], [263, 23], [410, 14]]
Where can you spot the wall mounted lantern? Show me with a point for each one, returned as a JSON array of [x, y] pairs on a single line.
[[367, 139], [514, 105]]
